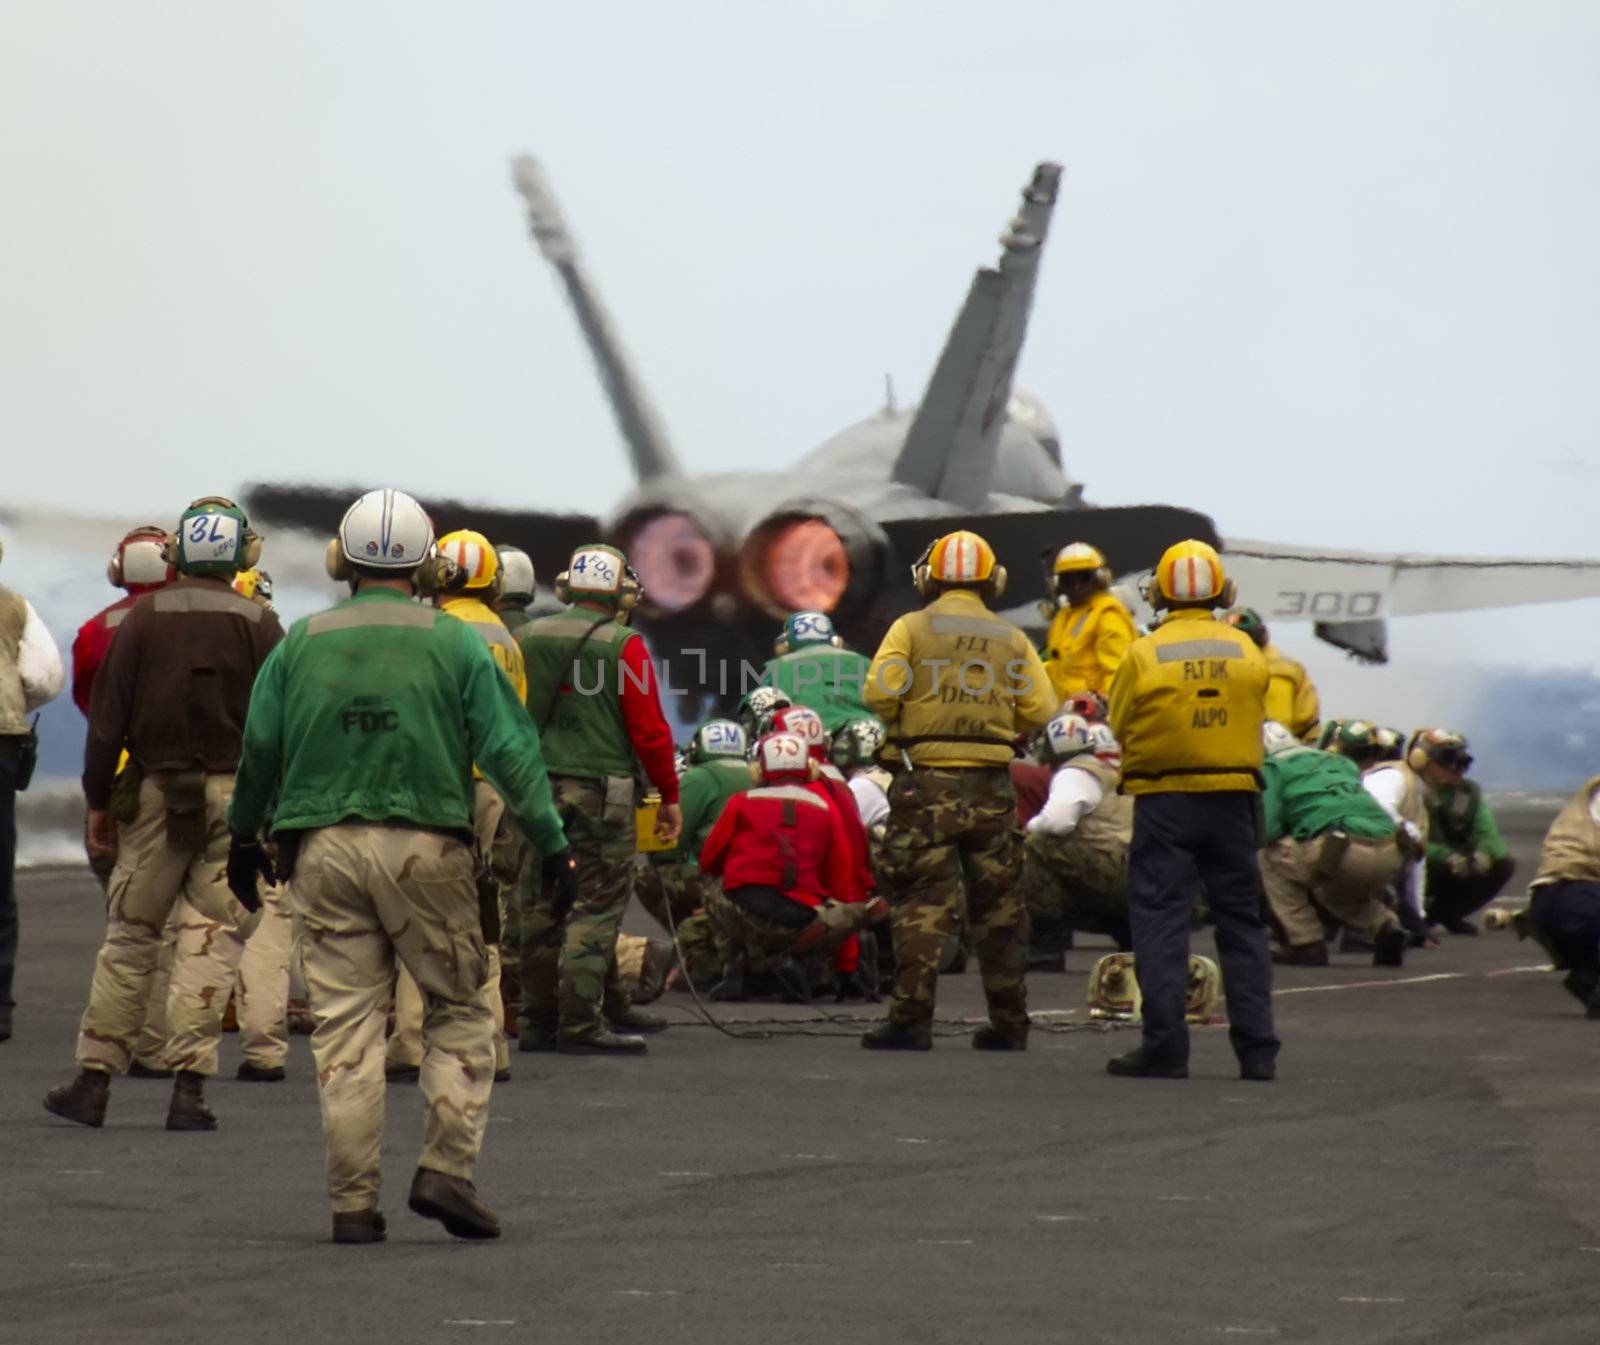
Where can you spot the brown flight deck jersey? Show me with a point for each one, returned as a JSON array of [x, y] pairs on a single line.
[[176, 685]]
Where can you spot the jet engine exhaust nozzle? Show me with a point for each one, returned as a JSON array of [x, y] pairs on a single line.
[[674, 559]]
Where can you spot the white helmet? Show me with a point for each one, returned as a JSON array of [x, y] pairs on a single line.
[[517, 570], [384, 530], [1275, 738], [1103, 742], [1067, 736]]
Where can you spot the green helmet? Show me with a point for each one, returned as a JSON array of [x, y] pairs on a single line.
[[213, 538], [717, 738], [806, 628], [1249, 621]]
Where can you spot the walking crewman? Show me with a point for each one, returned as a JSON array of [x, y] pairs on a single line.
[[954, 684], [173, 693], [364, 727], [1090, 630], [1187, 705], [593, 694]]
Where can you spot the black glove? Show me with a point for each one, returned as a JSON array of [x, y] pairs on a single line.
[[248, 862], [558, 873]]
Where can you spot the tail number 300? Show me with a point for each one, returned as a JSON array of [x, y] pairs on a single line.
[[1331, 605]]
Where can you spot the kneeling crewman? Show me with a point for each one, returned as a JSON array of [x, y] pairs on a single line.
[[1330, 848], [365, 724], [1075, 850]]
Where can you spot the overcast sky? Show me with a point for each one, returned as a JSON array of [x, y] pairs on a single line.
[[1328, 272]]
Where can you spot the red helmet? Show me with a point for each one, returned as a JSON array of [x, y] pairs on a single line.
[[783, 758], [806, 724]]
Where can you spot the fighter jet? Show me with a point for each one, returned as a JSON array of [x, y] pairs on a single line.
[[721, 563]]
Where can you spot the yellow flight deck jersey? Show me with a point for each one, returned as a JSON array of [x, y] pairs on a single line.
[[1087, 643], [1291, 697], [1187, 705], [486, 622], [954, 684]]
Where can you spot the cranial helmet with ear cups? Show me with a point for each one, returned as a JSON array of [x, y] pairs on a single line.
[[599, 573], [387, 533], [213, 538], [962, 558], [140, 560]]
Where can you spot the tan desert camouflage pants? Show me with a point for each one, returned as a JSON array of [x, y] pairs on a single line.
[[363, 896], [1298, 882], [490, 823], [261, 994], [155, 881]]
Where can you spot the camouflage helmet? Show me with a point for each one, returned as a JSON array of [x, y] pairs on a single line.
[[857, 743], [758, 707]]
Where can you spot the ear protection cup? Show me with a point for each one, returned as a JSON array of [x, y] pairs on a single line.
[[496, 589], [439, 574], [997, 583], [334, 562], [114, 569], [563, 588], [1229, 595], [921, 574], [1416, 758]]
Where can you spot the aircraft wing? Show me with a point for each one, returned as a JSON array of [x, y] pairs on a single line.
[[1308, 583], [549, 539], [1132, 537], [950, 449]]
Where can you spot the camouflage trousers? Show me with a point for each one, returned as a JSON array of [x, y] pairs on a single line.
[[1348, 882], [762, 931], [702, 945], [168, 876], [951, 840], [569, 964], [1080, 885], [261, 992], [362, 897], [495, 861], [668, 886]]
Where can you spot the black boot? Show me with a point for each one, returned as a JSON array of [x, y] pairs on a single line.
[[731, 989], [1302, 955], [188, 1110], [793, 982], [1046, 946], [1389, 948], [360, 1226], [992, 1038], [1135, 1064], [849, 986], [83, 1100], [894, 1036], [454, 1202]]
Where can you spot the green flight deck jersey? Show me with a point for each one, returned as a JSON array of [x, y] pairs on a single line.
[[822, 678], [375, 711], [1307, 792]]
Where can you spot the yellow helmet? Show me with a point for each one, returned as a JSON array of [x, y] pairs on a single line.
[[474, 555], [959, 558], [1078, 558], [1191, 572]]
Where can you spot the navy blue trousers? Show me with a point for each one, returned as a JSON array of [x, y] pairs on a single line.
[[1177, 837], [1567, 916]]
